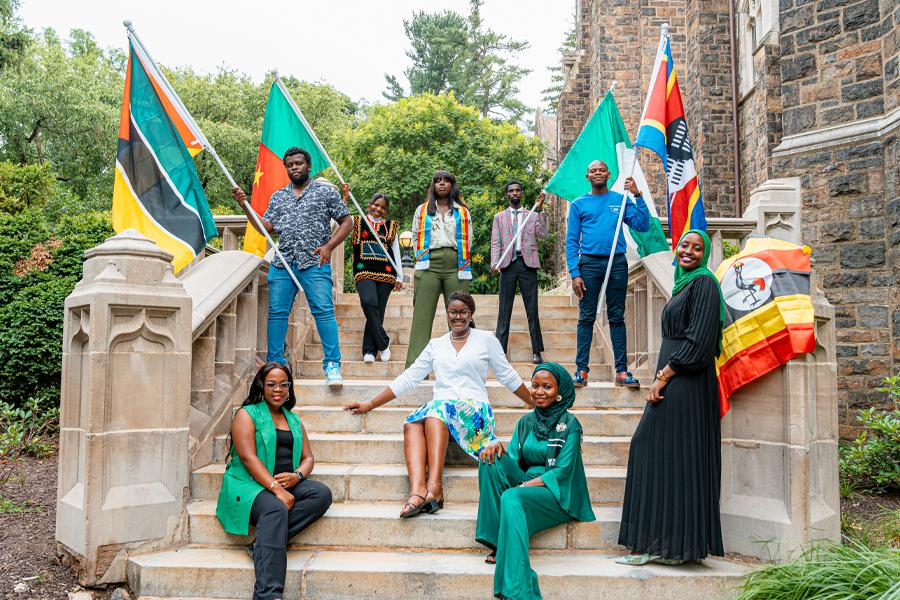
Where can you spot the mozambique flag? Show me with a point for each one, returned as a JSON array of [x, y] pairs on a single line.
[[156, 188], [664, 131], [282, 129], [769, 311]]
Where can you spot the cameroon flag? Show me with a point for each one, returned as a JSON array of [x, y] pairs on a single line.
[[282, 129], [769, 311], [156, 188]]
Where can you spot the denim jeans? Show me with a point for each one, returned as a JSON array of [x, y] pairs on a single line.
[[317, 285], [593, 269]]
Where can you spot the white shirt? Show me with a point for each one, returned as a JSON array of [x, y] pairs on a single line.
[[517, 222], [443, 229], [460, 376]]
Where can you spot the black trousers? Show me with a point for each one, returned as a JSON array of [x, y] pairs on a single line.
[[518, 273], [373, 297], [275, 525]]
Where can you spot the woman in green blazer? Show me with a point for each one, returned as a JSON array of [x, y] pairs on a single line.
[[534, 484], [265, 482]]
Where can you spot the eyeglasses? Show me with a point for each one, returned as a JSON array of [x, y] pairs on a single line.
[[271, 385], [459, 313]]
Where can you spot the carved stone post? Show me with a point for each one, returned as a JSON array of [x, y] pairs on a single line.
[[123, 460], [775, 205]]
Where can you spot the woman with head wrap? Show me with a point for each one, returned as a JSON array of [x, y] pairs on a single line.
[[671, 510], [535, 483]]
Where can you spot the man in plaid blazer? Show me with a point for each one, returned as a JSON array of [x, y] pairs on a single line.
[[520, 265]]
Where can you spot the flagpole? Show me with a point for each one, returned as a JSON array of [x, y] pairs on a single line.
[[664, 34], [331, 163], [185, 114]]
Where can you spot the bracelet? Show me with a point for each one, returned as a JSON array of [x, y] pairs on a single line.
[[272, 485]]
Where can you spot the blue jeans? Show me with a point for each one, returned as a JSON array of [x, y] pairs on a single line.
[[593, 269], [317, 285]]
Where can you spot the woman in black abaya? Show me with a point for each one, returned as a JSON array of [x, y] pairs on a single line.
[[671, 509]]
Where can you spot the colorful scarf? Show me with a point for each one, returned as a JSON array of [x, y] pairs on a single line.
[[423, 240]]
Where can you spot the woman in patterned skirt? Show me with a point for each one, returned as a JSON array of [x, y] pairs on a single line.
[[374, 275], [459, 406]]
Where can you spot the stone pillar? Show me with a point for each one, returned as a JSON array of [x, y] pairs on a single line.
[[123, 458], [775, 205]]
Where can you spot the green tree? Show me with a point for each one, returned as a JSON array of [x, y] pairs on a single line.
[[397, 149], [14, 37], [453, 53], [551, 94]]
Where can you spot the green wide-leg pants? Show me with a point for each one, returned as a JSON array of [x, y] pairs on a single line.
[[441, 277], [507, 518]]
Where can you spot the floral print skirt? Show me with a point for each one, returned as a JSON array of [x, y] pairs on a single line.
[[471, 422]]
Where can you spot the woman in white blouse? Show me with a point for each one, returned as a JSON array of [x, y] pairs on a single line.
[[459, 406]]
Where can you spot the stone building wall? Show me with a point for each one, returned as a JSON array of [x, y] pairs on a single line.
[[822, 104]]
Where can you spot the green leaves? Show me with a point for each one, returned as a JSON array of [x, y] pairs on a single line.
[[872, 460]]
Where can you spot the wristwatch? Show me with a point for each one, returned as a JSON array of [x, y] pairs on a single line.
[[300, 474]]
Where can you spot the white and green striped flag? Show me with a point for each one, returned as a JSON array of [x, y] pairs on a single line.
[[605, 138]]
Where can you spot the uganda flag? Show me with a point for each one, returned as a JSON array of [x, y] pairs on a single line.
[[282, 129], [156, 189], [769, 310], [663, 130]]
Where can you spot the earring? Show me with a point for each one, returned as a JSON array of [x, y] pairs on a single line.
[[558, 398]]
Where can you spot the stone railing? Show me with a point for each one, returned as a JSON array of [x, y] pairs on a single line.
[[153, 365]]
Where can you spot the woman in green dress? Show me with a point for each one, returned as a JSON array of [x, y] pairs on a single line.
[[536, 483]]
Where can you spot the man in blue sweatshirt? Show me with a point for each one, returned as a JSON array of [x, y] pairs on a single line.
[[589, 246]]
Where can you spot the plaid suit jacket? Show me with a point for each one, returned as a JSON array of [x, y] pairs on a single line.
[[503, 230]]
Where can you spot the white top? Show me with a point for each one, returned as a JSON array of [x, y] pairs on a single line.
[[460, 376]]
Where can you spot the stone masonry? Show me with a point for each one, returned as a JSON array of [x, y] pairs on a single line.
[[819, 101]]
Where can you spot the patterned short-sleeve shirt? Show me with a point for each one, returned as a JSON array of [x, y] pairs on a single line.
[[303, 224]]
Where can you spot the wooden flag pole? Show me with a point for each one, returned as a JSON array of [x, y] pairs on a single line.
[[331, 163], [186, 115]]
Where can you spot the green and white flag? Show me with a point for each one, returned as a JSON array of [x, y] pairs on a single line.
[[605, 138]]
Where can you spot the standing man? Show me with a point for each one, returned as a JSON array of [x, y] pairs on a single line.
[[520, 266], [301, 213], [589, 247]]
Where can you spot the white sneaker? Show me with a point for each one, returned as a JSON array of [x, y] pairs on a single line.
[[369, 358], [333, 376], [386, 353]]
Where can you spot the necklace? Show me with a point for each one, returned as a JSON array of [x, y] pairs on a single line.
[[462, 337]]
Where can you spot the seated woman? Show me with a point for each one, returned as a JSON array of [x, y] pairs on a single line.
[[537, 483], [459, 405], [265, 481]]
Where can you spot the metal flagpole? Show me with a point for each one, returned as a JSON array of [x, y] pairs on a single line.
[[185, 114], [315, 138], [612, 252]]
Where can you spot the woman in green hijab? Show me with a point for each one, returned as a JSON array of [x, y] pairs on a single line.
[[535, 483], [671, 510]]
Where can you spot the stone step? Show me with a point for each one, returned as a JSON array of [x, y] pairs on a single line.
[[369, 525], [517, 353], [387, 448], [390, 419], [481, 300], [481, 310], [357, 369], [352, 338], [597, 394], [486, 322], [227, 574], [349, 482]]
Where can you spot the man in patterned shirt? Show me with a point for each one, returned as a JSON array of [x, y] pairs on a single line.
[[301, 213]]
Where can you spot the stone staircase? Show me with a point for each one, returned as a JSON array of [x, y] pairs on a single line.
[[361, 549]]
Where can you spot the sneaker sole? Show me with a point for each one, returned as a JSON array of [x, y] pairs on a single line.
[[579, 384], [335, 386], [632, 386]]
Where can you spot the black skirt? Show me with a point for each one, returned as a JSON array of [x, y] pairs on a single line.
[[671, 506]]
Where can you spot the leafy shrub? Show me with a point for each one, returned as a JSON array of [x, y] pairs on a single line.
[[25, 186], [829, 571], [27, 430], [872, 460]]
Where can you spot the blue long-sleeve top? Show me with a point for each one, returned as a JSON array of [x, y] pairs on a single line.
[[592, 223]]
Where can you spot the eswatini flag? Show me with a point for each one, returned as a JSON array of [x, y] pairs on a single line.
[[769, 310], [156, 188], [664, 131], [282, 129]]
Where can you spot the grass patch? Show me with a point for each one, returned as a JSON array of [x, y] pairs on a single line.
[[8, 506], [829, 571]]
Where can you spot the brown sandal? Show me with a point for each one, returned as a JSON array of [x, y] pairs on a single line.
[[416, 508]]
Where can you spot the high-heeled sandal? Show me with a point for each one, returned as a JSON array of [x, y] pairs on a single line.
[[416, 509], [434, 505]]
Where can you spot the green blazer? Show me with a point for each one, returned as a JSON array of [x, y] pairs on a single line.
[[239, 489]]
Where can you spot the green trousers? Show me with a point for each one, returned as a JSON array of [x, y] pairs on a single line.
[[507, 518], [441, 277]]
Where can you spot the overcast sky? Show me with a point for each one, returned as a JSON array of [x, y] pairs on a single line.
[[347, 43]]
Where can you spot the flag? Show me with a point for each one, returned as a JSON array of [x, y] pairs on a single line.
[[156, 188], [282, 129], [605, 138], [769, 311], [664, 131]]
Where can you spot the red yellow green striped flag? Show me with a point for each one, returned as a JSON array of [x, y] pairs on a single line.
[[770, 317], [282, 129]]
